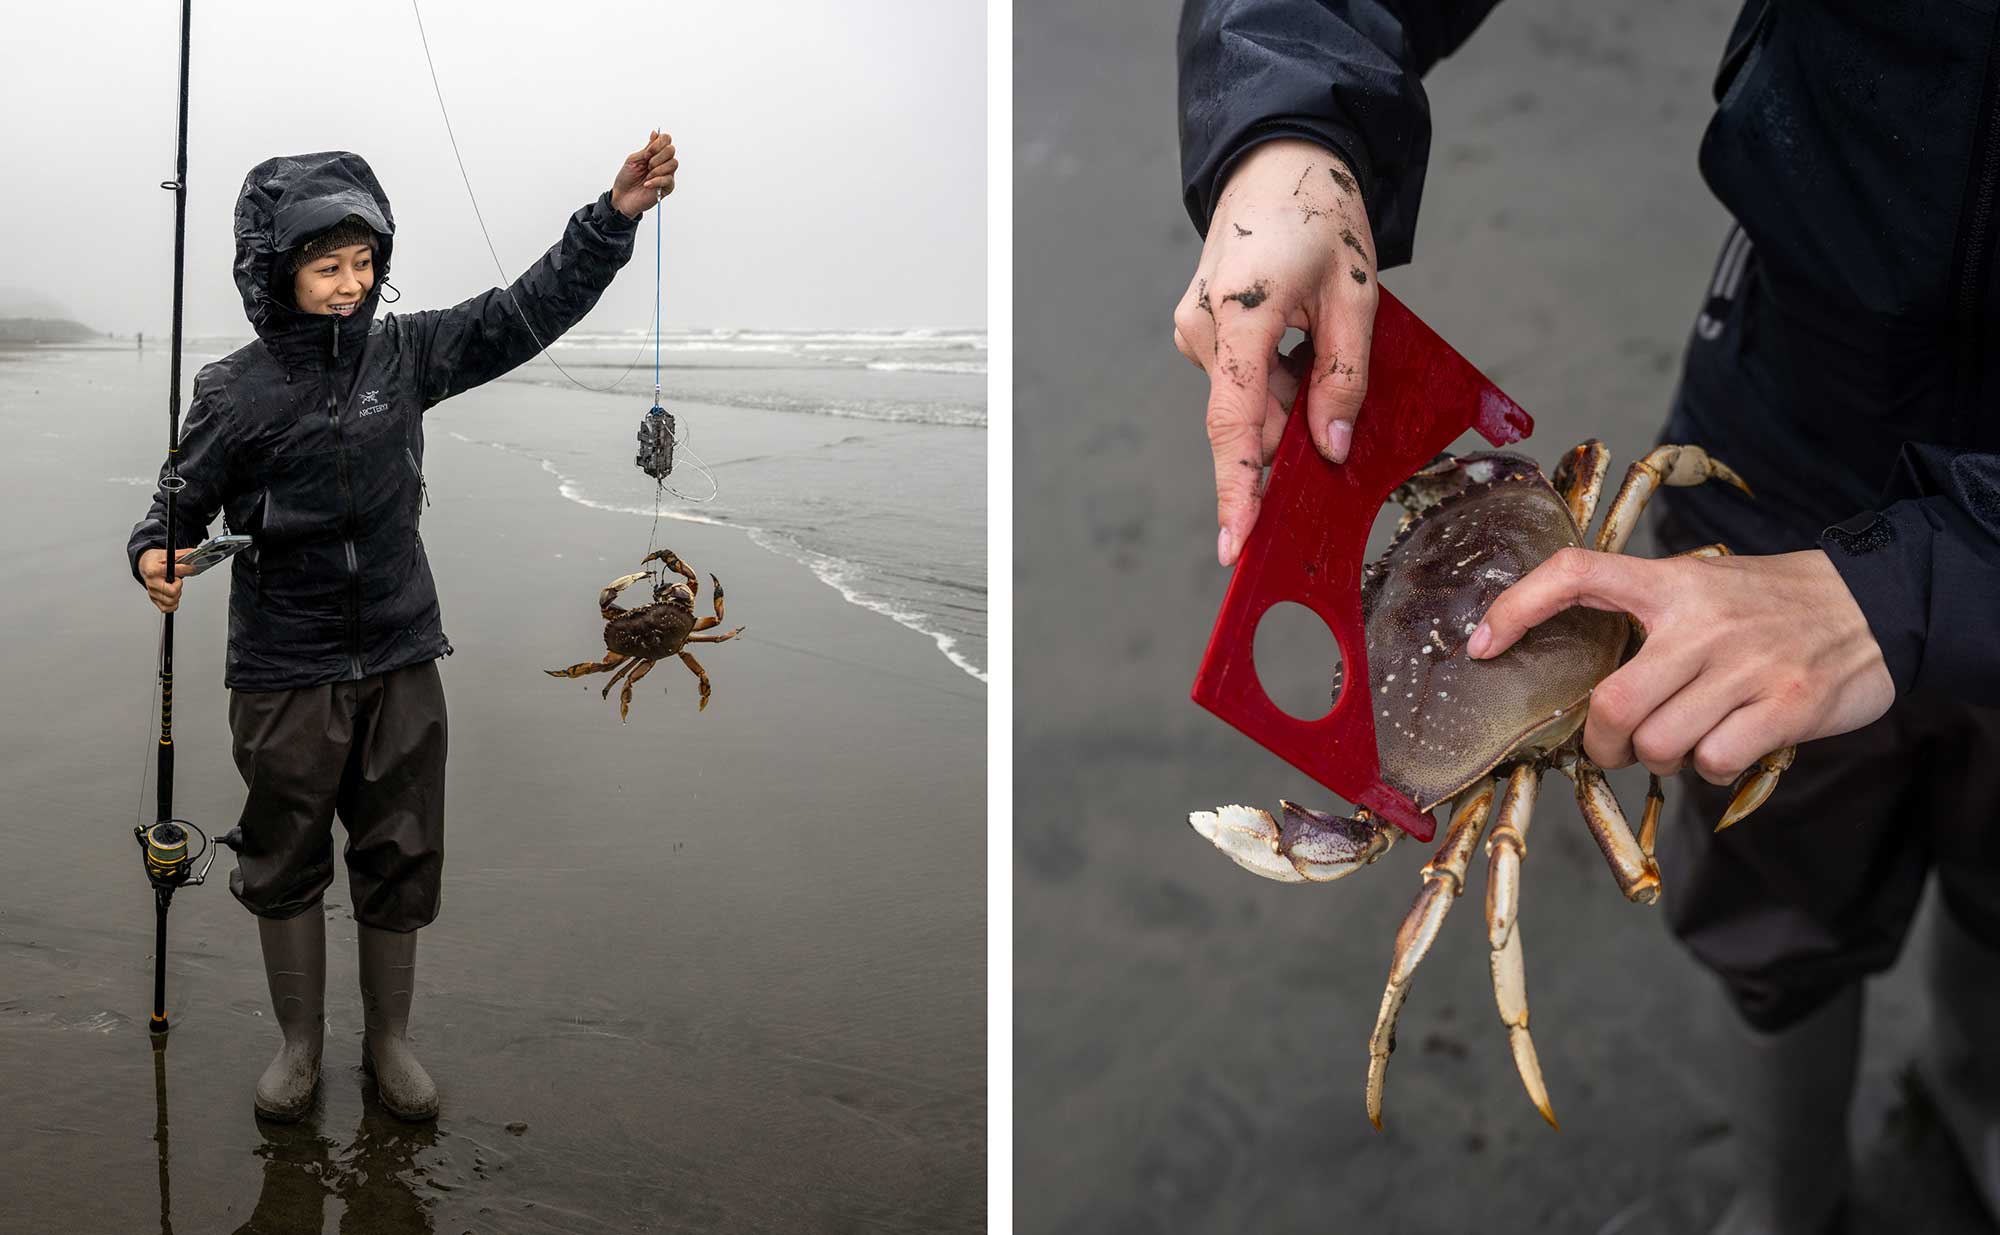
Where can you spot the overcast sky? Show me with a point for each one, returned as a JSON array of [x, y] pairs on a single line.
[[833, 157]]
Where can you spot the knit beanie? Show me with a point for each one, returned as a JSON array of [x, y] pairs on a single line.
[[349, 231]]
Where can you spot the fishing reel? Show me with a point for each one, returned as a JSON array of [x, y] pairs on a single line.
[[657, 433], [163, 848]]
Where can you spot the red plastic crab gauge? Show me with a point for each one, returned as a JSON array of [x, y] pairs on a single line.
[[1308, 543]]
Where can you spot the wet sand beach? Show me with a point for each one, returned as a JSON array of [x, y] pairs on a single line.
[[1191, 1041], [717, 971]]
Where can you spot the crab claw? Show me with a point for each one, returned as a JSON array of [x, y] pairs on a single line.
[[1755, 785], [1310, 847]]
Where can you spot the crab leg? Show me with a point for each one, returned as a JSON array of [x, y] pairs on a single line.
[[625, 696], [1649, 824], [1756, 784], [707, 622], [606, 693], [716, 638], [1444, 879], [1580, 479], [1679, 466], [589, 666], [1506, 847], [1715, 550], [689, 660], [1631, 864], [1311, 846]]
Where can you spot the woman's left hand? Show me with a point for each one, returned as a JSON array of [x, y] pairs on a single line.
[[646, 176]]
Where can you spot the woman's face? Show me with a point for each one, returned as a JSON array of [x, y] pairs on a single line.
[[335, 282]]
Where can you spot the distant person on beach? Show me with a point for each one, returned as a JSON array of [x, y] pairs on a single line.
[[310, 440], [1845, 363]]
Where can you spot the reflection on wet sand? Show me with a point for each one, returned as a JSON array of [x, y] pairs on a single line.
[[375, 1176]]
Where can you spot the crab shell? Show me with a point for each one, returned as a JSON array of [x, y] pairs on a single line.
[[1442, 719], [654, 631]]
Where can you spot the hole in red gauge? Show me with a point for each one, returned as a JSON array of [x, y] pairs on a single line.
[[1296, 656]]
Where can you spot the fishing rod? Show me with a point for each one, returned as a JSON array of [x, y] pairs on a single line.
[[164, 846]]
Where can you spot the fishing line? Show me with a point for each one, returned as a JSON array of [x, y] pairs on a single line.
[[675, 439], [660, 433], [505, 283]]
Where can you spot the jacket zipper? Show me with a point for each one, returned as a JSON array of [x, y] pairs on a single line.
[[418, 472], [347, 528], [423, 487]]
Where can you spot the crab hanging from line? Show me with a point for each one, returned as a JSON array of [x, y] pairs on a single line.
[[1452, 729], [637, 638]]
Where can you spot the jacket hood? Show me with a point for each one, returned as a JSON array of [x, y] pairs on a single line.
[[284, 202]]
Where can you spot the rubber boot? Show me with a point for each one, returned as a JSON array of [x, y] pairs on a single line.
[[388, 980], [1960, 1066], [295, 964], [1788, 1098]]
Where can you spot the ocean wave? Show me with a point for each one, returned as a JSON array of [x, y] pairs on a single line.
[[809, 340], [928, 366], [916, 359], [894, 411], [837, 573], [841, 575]]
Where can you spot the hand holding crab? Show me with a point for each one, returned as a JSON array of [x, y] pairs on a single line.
[[637, 638], [1479, 732], [1742, 655]]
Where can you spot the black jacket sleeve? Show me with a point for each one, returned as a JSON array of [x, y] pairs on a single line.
[[1926, 571], [1343, 73], [473, 343], [204, 463]]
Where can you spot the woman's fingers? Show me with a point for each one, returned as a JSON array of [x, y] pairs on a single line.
[[1666, 737], [1739, 740], [1238, 395], [1343, 329], [1624, 701], [1609, 581]]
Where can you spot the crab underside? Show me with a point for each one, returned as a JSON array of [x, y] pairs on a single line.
[[1450, 729]]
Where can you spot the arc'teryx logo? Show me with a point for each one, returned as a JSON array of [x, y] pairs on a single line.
[[369, 404]]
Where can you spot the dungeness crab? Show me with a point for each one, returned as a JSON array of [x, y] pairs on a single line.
[[636, 638], [1451, 729]]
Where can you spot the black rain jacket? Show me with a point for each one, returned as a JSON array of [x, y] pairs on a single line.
[[310, 439], [1857, 144]]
